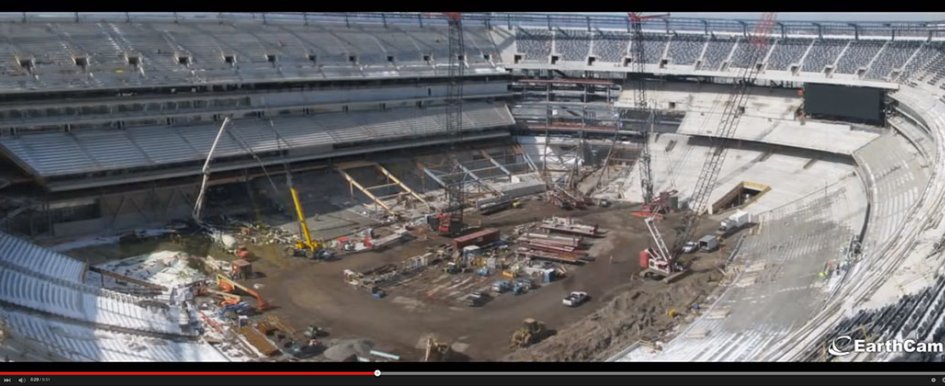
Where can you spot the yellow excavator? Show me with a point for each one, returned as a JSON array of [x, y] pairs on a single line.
[[307, 247]]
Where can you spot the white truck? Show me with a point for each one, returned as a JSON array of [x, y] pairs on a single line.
[[733, 223], [575, 299]]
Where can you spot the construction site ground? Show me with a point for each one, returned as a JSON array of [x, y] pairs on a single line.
[[313, 292], [623, 308]]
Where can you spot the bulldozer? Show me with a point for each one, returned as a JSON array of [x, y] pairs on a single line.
[[531, 332]]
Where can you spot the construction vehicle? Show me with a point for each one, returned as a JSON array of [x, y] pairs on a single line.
[[491, 206], [241, 268], [234, 311], [437, 351], [228, 299], [531, 332], [658, 262], [501, 286], [230, 286], [306, 247], [521, 286], [453, 268], [477, 299], [709, 243], [449, 222], [733, 223], [575, 299], [314, 331]]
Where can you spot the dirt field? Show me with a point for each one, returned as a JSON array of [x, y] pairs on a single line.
[[623, 308], [313, 292]]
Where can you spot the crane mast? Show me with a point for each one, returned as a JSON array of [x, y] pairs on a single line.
[[452, 215], [640, 101]]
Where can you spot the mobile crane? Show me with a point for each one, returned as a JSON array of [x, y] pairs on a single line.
[[306, 247]]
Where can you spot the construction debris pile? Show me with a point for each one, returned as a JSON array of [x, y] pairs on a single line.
[[164, 268]]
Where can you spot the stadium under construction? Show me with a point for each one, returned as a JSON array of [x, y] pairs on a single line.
[[468, 187]]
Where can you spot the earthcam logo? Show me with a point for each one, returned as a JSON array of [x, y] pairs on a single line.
[[840, 346], [846, 345]]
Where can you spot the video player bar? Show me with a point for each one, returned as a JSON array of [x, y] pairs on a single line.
[[394, 378]]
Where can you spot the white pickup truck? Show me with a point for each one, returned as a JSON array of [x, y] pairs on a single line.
[[575, 299]]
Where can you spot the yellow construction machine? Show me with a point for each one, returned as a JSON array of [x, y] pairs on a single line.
[[531, 332], [307, 247], [437, 351]]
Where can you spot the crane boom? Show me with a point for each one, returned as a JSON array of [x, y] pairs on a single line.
[[661, 249], [731, 115], [198, 206], [300, 214], [230, 286]]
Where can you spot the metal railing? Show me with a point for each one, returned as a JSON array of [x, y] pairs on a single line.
[[608, 21]]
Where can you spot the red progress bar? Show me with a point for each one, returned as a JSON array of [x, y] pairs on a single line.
[[185, 373]]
